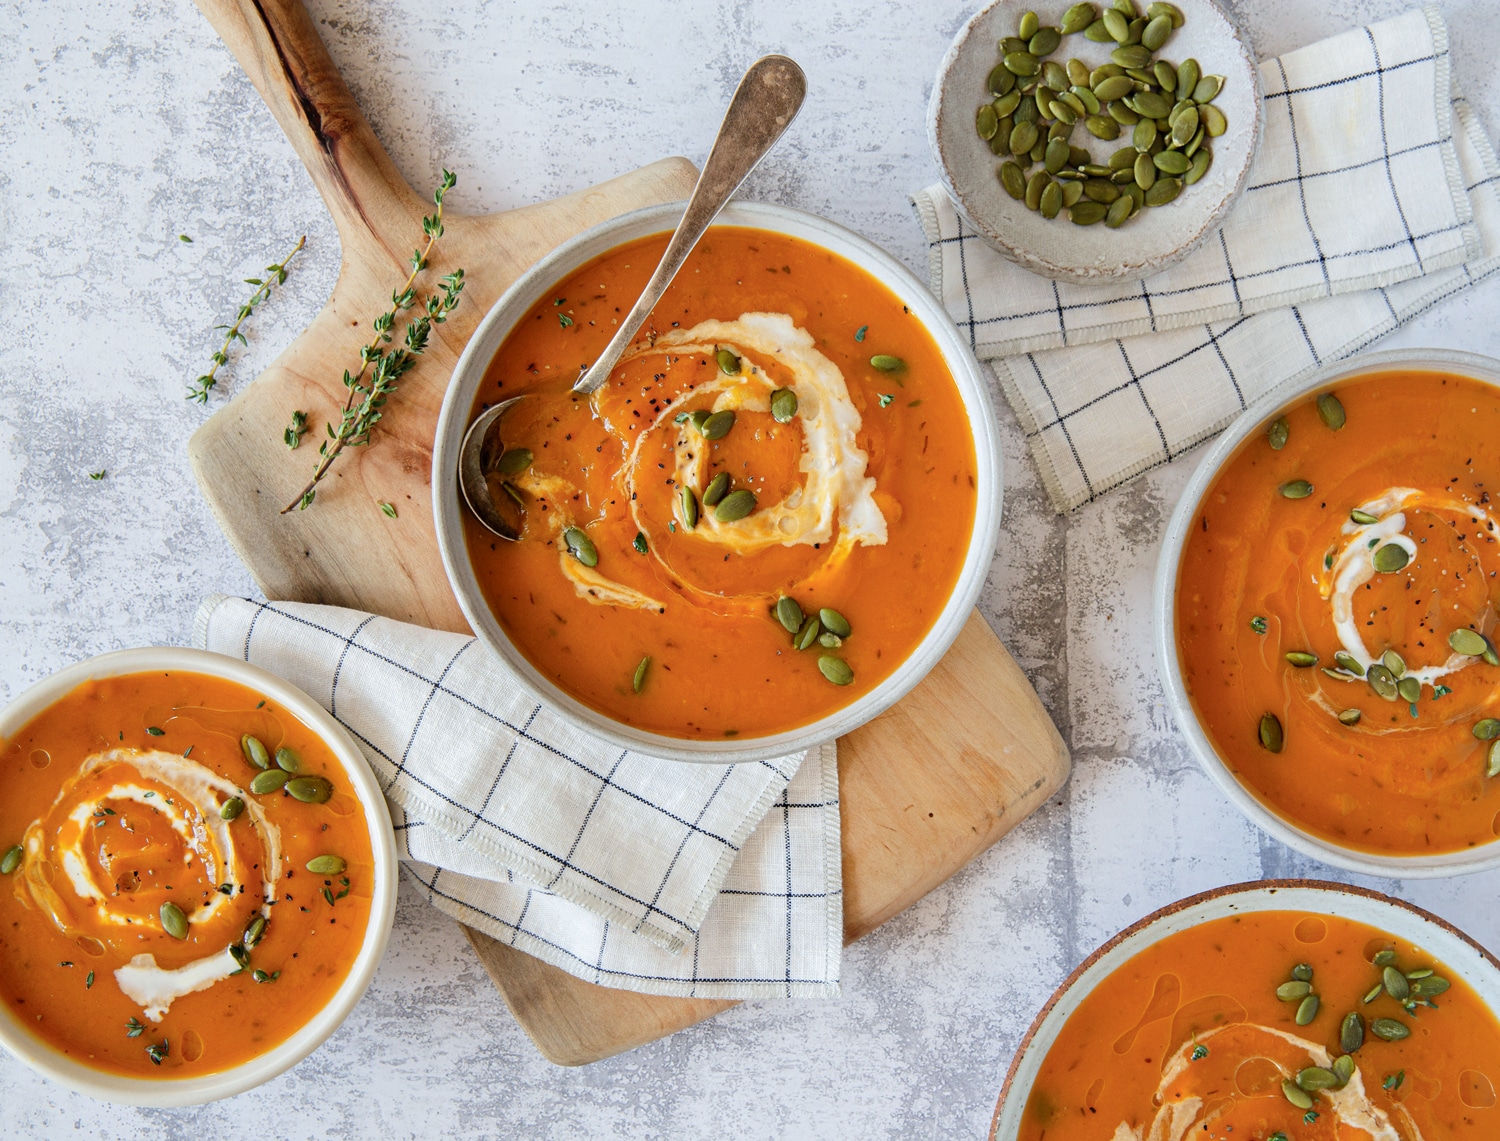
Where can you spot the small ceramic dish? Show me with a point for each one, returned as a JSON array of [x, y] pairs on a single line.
[[1152, 240], [1403, 922], [956, 355], [47, 1059], [1254, 423]]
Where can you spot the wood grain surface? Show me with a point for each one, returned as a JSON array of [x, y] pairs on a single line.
[[925, 788]]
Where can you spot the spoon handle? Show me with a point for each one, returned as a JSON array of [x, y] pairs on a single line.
[[764, 104]]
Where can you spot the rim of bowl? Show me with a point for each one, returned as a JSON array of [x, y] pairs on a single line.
[[1109, 957], [1484, 369], [1031, 259], [46, 1060], [973, 388]]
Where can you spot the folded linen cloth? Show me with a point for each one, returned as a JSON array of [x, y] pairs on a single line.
[[713, 881], [1373, 197]]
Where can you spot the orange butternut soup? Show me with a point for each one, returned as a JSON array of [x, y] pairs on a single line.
[[1336, 641], [147, 929], [1273, 1026], [660, 546]]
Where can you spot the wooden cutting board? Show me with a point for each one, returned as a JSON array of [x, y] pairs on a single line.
[[925, 788]]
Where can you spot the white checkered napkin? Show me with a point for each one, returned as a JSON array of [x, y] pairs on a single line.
[[1356, 186], [1097, 415], [606, 862]]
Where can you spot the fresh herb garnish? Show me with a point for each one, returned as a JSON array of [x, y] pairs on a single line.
[[860, 335], [1258, 624], [89, 981], [885, 399], [98, 475], [157, 1051], [188, 752], [275, 275], [639, 542], [184, 238], [328, 895], [564, 320], [155, 732], [1200, 1052], [1309, 1117], [361, 411], [133, 1029], [1393, 1081], [293, 433], [389, 509]]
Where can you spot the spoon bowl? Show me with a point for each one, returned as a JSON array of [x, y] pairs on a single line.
[[482, 443]]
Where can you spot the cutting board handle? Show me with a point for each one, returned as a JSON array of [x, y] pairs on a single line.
[[280, 50]]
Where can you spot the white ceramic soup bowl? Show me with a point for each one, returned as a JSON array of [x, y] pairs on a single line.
[[49, 1062], [1435, 937], [1255, 420], [536, 282]]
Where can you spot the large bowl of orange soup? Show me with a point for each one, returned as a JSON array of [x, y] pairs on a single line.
[[1326, 614], [1284, 1010], [197, 876], [770, 523]]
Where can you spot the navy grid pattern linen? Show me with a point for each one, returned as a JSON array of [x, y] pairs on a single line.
[[1097, 414], [623, 869]]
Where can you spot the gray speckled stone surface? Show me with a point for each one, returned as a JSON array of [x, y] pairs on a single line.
[[125, 124]]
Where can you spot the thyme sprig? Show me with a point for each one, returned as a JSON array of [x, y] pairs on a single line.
[[275, 275], [362, 407]]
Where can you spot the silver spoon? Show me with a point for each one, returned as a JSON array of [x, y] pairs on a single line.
[[766, 101]]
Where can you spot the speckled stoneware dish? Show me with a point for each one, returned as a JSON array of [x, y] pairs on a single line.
[[1154, 238], [52, 1063], [513, 305], [1434, 936], [1253, 421]]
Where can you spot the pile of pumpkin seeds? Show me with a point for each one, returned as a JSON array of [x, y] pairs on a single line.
[[1037, 103], [827, 628], [285, 775]]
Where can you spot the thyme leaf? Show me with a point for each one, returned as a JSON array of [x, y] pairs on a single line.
[[275, 275]]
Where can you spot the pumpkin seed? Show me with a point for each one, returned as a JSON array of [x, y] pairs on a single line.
[[1132, 56], [1116, 23], [11, 860], [173, 921], [1490, 655], [807, 635], [1151, 105], [1410, 690], [1144, 173], [1373, 993], [1013, 179], [1382, 681], [516, 460], [1331, 411], [1188, 74], [1071, 193], [1296, 1094], [1303, 972], [1026, 111], [231, 808], [1087, 212], [1350, 663], [1023, 63], [830, 641], [1122, 114], [834, 622], [883, 363], [1363, 518], [789, 614], [1169, 10], [1102, 128], [581, 547], [783, 405], [254, 932], [1057, 155], [1343, 1066], [1184, 127], [1144, 136], [717, 488], [310, 790], [1316, 1078], [287, 760], [1078, 74], [729, 364], [1393, 662], [1034, 190], [1467, 642], [1089, 101], [1097, 33], [1028, 25], [1077, 18], [835, 669], [1271, 736], [1172, 162], [986, 122], [1492, 762], [255, 752], [717, 426], [1390, 558], [735, 506], [638, 679], [1120, 211], [1165, 75], [698, 418], [1164, 191], [1302, 659], [1012, 44], [1429, 987], [1213, 120], [326, 865], [1096, 170], [1296, 489], [1002, 81], [1294, 991], [268, 781], [1307, 1010], [1419, 973], [1352, 1032], [1045, 42], [1051, 203], [1384, 958], [1350, 717], [1278, 433], [1136, 28], [1208, 89], [1389, 1029], [689, 504], [1201, 162], [1005, 106], [1101, 190], [1395, 983], [1156, 33]]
